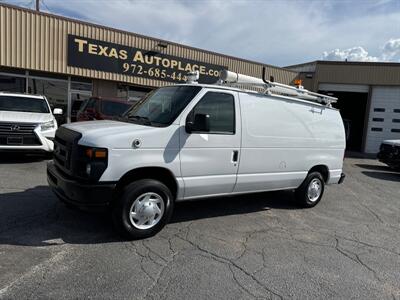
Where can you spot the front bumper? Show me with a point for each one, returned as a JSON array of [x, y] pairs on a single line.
[[82, 195], [45, 138], [390, 158]]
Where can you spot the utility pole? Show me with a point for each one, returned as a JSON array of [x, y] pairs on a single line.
[[37, 5]]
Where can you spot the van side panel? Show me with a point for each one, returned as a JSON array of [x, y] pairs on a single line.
[[282, 139]]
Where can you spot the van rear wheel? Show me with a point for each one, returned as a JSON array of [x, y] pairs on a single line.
[[310, 192], [144, 208]]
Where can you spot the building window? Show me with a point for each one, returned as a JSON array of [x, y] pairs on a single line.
[[396, 120], [81, 86], [131, 93], [378, 119], [122, 91], [56, 92], [396, 110], [12, 84], [378, 109], [395, 130], [376, 129]]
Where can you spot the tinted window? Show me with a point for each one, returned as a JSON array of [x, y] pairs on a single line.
[[83, 106], [221, 109], [91, 104], [10, 103], [12, 84], [378, 119], [112, 108]]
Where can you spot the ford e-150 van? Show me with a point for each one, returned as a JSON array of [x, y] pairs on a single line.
[[190, 141]]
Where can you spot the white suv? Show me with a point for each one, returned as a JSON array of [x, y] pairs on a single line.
[[26, 123]]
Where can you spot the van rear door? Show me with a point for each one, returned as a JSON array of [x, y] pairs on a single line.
[[210, 160]]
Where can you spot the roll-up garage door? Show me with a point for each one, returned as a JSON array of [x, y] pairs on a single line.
[[352, 103], [384, 117]]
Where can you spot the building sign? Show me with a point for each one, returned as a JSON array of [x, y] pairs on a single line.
[[103, 56]]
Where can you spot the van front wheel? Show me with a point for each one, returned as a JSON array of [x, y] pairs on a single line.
[[310, 192], [144, 208]]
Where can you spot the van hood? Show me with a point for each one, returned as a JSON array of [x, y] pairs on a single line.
[[392, 142], [101, 128], [24, 117], [120, 135]]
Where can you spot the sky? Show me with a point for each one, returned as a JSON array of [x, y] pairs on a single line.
[[280, 33]]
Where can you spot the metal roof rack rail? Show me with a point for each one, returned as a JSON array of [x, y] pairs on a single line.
[[271, 87]]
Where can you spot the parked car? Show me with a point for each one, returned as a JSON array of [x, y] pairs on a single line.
[[97, 108], [194, 141], [26, 123], [389, 153]]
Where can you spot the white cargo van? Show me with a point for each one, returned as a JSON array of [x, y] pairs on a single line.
[[194, 141]]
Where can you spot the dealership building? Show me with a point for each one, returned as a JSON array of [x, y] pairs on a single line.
[[69, 61]]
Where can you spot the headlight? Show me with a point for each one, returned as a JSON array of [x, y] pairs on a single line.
[[47, 125], [93, 162], [88, 169]]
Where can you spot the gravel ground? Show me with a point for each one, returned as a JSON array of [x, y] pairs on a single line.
[[253, 246]]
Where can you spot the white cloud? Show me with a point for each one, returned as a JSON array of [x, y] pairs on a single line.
[[352, 54], [390, 51]]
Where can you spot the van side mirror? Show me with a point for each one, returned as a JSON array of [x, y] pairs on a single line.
[[57, 111], [201, 123]]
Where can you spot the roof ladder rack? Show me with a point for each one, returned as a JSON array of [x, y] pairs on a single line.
[[271, 87]]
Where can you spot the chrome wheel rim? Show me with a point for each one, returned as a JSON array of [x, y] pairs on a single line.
[[314, 190], [146, 211]]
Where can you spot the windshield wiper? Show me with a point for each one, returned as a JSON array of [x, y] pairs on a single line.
[[145, 119]]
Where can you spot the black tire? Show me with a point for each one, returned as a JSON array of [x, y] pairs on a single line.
[[121, 211], [301, 193]]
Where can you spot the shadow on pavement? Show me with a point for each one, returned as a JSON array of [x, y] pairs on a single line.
[[373, 167], [36, 218], [234, 205], [354, 154], [383, 175]]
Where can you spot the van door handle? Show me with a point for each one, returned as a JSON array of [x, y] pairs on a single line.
[[235, 156]]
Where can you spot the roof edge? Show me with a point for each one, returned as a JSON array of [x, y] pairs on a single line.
[[348, 63], [139, 35]]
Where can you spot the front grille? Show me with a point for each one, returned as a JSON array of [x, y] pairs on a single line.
[[66, 150], [386, 148], [18, 134], [389, 151]]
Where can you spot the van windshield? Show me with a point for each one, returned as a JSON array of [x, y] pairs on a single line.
[[162, 106], [24, 104]]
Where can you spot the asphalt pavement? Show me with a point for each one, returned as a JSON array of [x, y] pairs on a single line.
[[252, 246]]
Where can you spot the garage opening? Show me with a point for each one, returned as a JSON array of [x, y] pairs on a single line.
[[352, 108]]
